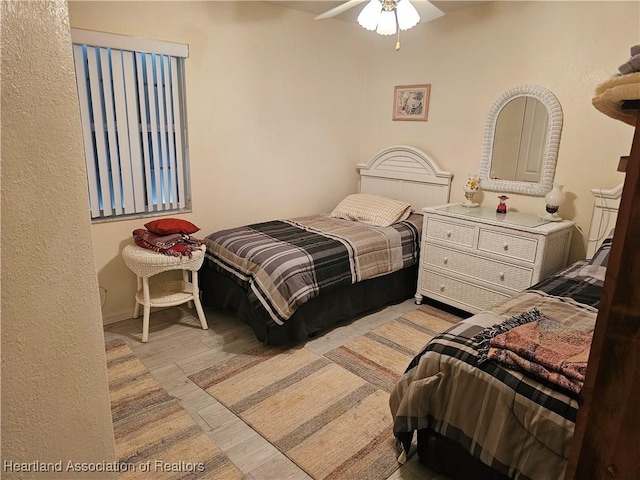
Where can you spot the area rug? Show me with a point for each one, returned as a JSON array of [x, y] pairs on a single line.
[[328, 414], [155, 436], [382, 355]]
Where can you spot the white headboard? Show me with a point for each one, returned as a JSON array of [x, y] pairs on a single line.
[[604, 216], [408, 174]]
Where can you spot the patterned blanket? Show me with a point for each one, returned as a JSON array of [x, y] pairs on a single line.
[[545, 350], [282, 264], [174, 244], [580, 282], [520, 426]]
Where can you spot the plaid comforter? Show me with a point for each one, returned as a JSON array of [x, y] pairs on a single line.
[[513, 423], [282, 264]]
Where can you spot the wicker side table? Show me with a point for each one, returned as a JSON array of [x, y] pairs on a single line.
[[146, 263]]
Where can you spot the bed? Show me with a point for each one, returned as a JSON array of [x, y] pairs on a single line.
[[290, 279], [468, 414]]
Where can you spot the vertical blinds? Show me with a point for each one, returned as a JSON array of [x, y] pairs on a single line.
[[134, 128]]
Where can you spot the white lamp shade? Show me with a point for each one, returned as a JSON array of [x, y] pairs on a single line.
[[555, 197], [387, 23], [370, 14], [408, 16]]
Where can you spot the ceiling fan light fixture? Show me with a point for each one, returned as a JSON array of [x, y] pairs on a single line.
[[388, 17], [407, 14], [387, 23], [368, 18]]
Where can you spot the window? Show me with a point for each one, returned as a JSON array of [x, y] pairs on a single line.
[[132, 106]]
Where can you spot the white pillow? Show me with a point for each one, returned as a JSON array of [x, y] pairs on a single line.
[[372, 209]]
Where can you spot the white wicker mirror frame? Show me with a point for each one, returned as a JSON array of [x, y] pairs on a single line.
[[552, 143]]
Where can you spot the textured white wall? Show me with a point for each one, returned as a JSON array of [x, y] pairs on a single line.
[[55, 404]]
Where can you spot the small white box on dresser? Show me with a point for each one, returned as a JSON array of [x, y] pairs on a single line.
[[471, 258]]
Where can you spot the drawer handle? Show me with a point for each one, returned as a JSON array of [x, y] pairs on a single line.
[[448, 234], [505, 246], [445, 260], [442, 288], [501, 275]]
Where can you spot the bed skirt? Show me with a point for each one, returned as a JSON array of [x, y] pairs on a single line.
[[448, 457], [333, 307]]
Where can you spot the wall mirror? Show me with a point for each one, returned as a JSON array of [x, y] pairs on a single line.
[[521, 140]]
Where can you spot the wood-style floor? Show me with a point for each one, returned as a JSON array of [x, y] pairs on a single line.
[[178, 347]]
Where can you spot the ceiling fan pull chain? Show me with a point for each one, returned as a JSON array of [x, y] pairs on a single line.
[[398, 30]]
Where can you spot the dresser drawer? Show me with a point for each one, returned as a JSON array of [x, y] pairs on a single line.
[[483, 269], [460, 292], [450, 232], [522, 248]]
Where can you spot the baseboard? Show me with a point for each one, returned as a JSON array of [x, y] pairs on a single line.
[[115, 317]]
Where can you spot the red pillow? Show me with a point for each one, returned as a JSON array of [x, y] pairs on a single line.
[[166, 226]]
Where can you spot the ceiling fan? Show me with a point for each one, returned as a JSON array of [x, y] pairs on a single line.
[[388, 17]]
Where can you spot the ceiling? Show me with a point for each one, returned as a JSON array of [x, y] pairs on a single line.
[[317, 7]]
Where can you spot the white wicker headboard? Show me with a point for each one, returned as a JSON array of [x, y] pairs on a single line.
[[604, 216], [408, 174]]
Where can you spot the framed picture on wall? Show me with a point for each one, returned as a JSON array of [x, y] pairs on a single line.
[[411, 102]]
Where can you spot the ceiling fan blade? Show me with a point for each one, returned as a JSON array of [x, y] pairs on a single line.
[[339, 9], [427, 10]]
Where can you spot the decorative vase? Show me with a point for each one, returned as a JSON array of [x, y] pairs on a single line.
[[554, 198], [470, 188]]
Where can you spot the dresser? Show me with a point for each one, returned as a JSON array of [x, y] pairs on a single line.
[[472, 258]]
